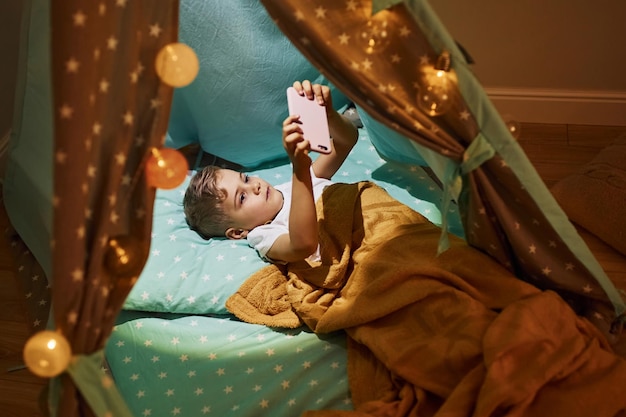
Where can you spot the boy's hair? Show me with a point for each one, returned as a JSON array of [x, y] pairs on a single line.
[[203, 204]]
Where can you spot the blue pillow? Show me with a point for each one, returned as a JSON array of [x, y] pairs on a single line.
[[235, 106], [185, 273]]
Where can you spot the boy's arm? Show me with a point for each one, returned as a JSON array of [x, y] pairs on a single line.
[[302, 239], [344, 135]]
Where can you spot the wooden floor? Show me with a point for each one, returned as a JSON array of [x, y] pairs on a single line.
[[19, 389], [559, 150], [556, 151]]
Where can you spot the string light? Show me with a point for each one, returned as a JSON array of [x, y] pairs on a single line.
[[375, 36], [166, 168], [513, 126], [177, 64], [124, 257], [47, 353], [434, 96]]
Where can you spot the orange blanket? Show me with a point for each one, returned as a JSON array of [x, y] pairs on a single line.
[[448, 335]]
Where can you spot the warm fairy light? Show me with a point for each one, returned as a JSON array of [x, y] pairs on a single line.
[[436, 84], [513, 126], [177, 64], [123, 257], [376, 34], [166, 168], [47, 354], [434, 95]]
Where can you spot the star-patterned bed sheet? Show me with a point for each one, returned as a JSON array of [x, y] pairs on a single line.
[[177, 351], [191, 366]]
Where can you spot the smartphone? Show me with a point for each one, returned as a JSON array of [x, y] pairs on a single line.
[[313, 120]]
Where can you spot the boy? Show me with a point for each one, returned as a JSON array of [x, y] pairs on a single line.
[[280, 223]]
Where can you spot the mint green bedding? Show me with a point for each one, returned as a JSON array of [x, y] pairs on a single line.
[[182, 354], [196, 365]]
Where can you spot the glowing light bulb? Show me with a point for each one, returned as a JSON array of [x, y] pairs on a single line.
[[513, 126], [436, 85], [124, 257], [166, 168], [47, 354], [434, 93], [375, 36], [177, 64]]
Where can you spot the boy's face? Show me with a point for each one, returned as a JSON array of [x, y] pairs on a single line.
[[249, 201]]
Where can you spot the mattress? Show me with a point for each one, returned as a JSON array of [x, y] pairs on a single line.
[[176, 349]]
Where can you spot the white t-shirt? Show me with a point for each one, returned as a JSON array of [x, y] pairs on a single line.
[[263, 237]]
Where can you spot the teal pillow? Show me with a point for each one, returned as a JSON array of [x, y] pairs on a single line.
[[185, 273], [238, 100]]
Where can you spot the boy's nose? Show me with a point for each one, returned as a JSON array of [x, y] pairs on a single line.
[[256, 186]]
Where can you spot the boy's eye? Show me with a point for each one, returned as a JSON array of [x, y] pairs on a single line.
[[242, 196]]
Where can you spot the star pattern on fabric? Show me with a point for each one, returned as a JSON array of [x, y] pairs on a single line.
[[94, 157], [315, 387]]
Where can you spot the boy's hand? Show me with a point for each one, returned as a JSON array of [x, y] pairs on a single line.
[[294, 143], [319, 92]]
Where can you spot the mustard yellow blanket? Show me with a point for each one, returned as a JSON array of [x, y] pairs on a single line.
[[448, 335]]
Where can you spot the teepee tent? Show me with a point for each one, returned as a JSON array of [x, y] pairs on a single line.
[[107, 116]]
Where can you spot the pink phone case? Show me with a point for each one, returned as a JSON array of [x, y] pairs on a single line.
[[313, 118]]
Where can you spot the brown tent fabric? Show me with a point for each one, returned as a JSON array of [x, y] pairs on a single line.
[[110, 110], [506, 209]]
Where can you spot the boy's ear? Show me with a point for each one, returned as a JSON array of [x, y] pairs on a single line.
[[235, 234]]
